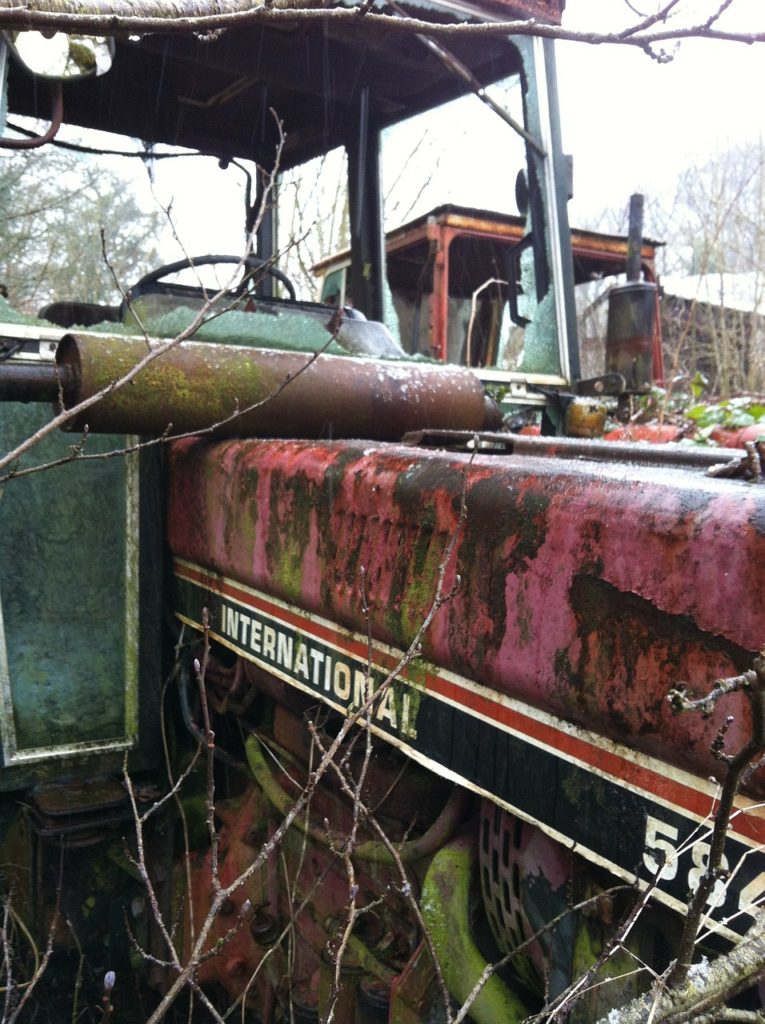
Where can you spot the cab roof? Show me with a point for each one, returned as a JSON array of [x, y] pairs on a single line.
[[216, 93]]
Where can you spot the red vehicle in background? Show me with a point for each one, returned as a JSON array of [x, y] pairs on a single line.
[[437, 263]]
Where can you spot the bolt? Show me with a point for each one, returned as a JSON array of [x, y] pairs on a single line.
[[264, 928]]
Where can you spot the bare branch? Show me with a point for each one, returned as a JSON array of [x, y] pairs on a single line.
[[650, 21], [697, 992], [98, 17], [737, 765], [155, 352]]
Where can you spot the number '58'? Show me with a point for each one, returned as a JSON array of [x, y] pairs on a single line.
[[661, 853]]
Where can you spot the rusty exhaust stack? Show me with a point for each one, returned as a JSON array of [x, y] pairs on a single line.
[[631, 314], [194, 385]]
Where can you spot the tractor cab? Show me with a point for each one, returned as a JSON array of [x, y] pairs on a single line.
[[280, 96], [274, 93]]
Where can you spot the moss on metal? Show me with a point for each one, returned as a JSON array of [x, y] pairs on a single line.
[[292, 502], [446, 896]]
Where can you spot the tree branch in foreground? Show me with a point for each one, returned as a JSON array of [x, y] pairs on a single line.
[[101, 17], [698, 992]]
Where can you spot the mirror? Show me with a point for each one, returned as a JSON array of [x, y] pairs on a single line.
[[62, 56]]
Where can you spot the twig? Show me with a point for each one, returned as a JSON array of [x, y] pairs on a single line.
[[187, 971], [88, 16], [648, 22], [200, 669], [66, 415], [680, 999], [167, 436], [736, 766], [679, 700], [41, 964], [175, 784], [717, 14], [568, 999], [140, 864]]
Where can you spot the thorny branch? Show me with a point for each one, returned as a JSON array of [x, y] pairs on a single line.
[[98, 17], [698, 993]]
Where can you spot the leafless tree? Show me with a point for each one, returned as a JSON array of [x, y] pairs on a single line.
[[53, 205], [714, 307]]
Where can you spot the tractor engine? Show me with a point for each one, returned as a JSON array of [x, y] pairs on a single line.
[[503, 629]]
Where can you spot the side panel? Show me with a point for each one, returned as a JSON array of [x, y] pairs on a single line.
[[75, 645], [585, 593], [68, 646]]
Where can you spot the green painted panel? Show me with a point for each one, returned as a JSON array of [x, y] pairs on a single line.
[[64, 586]]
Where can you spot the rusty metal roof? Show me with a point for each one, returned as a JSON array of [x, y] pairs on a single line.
[[596, 253], [215, 93]]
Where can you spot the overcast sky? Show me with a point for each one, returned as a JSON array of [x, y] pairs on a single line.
[[634, 124]]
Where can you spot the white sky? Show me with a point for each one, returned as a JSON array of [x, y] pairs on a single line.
[[631, 123], [634, 124]]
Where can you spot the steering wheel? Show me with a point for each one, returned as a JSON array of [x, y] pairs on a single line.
[[249, 263]]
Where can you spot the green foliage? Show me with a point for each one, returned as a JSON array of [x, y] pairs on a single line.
[[732, 413], [661, 405], [699, 384], [55, 207], [697, 416]]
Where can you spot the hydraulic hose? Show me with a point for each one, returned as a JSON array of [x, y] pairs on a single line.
[[373, 851], [445, 904]]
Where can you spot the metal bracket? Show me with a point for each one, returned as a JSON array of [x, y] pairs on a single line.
[[599, 387]]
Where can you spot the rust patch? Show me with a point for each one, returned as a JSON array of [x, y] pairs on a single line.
[[631, 654], [505, 530], [292, 500]]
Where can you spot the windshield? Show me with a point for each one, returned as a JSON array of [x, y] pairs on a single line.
[[474, 204]]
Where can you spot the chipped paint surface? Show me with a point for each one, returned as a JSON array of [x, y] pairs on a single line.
[[587, 590]]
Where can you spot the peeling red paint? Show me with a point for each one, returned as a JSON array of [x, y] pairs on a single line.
[[587, 589]]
